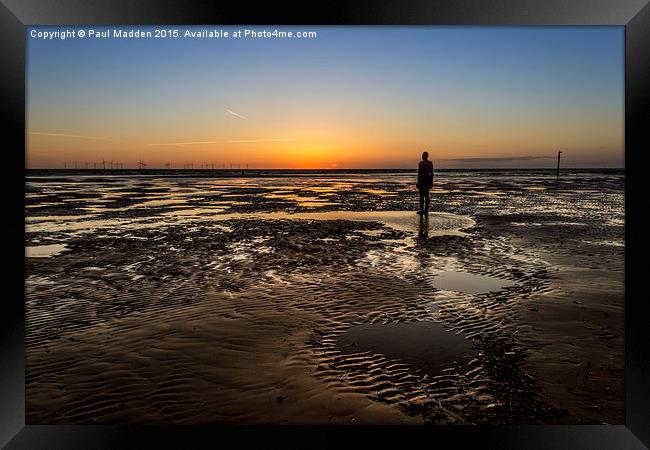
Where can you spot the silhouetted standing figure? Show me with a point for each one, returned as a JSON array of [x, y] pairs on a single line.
[[425, 182]]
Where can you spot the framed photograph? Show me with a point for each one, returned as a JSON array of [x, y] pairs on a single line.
[[350, 225]]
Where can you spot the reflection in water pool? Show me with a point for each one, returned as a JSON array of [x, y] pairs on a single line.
[[469, 283], [438, 223], [44, 251]]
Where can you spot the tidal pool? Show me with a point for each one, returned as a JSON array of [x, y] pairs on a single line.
[[423, 345], [469, 283]]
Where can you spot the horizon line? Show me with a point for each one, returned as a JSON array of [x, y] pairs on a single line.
[[320, 169]]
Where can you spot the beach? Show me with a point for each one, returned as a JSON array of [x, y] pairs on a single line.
[[322, 298]]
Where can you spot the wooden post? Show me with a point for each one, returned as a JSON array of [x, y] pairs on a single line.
[[557, 172]]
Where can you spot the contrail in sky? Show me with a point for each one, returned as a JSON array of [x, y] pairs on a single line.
[[498, 158], [101, 138], [227, 142], [263, 140], [235, 114], [77, 136]]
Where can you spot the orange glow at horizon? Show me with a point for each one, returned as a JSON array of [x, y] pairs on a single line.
[[325, 146], [50, 152]]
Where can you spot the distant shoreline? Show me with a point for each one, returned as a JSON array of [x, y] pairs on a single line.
[[227, 173]]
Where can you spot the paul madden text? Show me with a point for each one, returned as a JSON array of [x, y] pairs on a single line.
[[170, 33]]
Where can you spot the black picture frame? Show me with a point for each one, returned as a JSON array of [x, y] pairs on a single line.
[[634, 15]]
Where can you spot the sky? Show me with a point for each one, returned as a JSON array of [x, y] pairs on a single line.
[[351, 97]]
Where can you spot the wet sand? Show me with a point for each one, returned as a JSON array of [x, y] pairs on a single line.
[[308, 300]]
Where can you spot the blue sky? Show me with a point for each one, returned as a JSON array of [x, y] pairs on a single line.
[[465, 93]]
